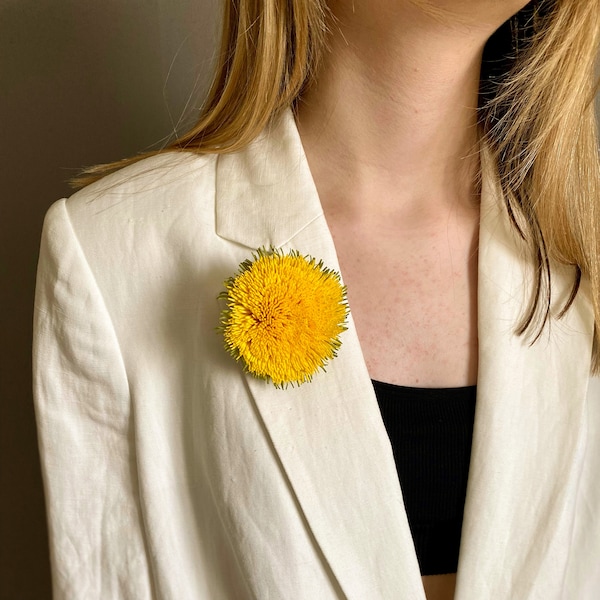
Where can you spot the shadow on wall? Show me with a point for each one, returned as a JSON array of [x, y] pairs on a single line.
[[82, 83]]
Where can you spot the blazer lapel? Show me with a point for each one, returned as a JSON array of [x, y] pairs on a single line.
[[328, 434], [529, 426]]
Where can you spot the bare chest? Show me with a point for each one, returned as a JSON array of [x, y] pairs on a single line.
[[413, 301]]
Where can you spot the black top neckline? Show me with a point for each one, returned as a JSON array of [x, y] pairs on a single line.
[[410, 387], [391, 387]]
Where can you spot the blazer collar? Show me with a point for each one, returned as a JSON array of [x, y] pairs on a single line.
[[331, 441], [265, 193]]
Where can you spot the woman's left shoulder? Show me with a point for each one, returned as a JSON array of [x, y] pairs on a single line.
[[146, 189], [142, 221]]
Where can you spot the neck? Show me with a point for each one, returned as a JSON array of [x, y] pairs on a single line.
[[394, 108]]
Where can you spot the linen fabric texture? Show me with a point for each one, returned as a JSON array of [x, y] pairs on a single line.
[[170, 474]]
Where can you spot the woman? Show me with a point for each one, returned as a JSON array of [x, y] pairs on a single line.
[[172, 473]]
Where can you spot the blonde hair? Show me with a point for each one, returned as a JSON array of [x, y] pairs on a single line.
[[536, 114], [539, 121]]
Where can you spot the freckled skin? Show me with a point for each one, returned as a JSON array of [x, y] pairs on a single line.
[[424, 307]]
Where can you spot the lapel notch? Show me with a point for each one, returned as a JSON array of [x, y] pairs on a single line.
[[265, 193]]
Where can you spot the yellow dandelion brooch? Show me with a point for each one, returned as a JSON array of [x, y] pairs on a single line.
[[284, 316]]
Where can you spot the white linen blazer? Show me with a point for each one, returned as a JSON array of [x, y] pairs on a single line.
[[171, 474]]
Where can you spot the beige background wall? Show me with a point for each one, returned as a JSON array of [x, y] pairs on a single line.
[[81, 82]]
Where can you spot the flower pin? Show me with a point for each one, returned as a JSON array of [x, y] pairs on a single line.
[[284, 316]]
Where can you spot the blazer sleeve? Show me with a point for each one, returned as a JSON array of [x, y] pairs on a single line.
[[85, 429]]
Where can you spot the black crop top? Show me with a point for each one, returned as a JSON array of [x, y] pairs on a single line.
[[431, 432]]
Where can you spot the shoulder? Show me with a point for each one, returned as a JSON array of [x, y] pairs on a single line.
[[144, 190], [139, 217]]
